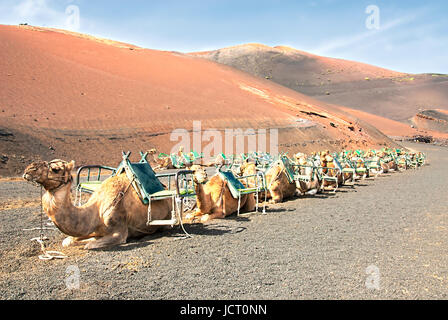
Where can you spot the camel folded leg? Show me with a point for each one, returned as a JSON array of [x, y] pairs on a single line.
[[76, 241], [211, 216], [113, 239], [190, 217], [250, 204], [276, 196]]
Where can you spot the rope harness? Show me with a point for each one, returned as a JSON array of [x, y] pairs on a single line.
[[47, 255]]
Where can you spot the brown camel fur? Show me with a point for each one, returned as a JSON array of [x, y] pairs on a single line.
[[160, 164], [327, 162], [278, 184], [214, 199], [107, 219], [250, 169], [304, 187], [387, 165]]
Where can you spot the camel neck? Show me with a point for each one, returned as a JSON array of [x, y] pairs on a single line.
[[71, 220], [200, 197]]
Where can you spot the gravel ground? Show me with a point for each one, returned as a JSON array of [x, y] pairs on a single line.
[[307, 248]]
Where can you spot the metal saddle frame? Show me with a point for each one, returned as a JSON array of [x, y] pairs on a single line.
[[147, 184], [238, 189]]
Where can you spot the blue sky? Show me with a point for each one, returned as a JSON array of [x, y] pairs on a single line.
[[412, 35]]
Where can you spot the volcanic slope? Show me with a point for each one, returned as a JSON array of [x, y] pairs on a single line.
[[390, 94], [72, 96]]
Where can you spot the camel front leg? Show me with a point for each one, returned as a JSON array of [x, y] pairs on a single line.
[[215, 215], [192, 215], [109, 240], [76, 241], [276, 194]]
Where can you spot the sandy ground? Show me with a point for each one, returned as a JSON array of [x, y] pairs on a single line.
[[307, 248]]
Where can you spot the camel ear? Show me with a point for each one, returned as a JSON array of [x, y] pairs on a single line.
[[70, 166]]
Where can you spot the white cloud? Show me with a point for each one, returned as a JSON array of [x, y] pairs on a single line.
[[47, 13], [346, 42], [31, 8]]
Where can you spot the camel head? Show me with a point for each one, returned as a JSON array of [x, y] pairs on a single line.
[[325, 157], [301, 159], [298, 156], [199, 174], [248, 168], [51, 175], [360, 163]]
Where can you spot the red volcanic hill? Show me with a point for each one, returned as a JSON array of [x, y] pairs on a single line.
[[385, 93], [72, 96]]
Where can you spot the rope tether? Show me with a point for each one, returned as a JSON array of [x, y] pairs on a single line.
[[47, 255]]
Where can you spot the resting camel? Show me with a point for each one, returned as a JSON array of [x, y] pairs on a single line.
[[214, 199], [164, 163], [327, 162], [388, 163], [314, 184], [385, 165], [160, 163], [278, 184], [112, 215]]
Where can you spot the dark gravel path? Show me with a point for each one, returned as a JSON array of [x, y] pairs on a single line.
[[308, 248]]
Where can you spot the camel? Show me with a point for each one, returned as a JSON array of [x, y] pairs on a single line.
[[360, 167], [314, 184], [248, 168], [214, 199], [384, 164], [113, 213], [346, 176], [160, 163], [278, 184], [165, 163], [327, 162]]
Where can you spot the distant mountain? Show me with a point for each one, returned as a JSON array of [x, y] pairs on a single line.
[[360, 86]]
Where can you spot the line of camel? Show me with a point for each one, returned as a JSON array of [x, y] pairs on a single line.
[[102, 222]]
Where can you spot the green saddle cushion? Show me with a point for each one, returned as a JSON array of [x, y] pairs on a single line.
[[299, 177], [147, 178], [91, 185], [235, 186], [163, 194], [187, 192], [288, 169]]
